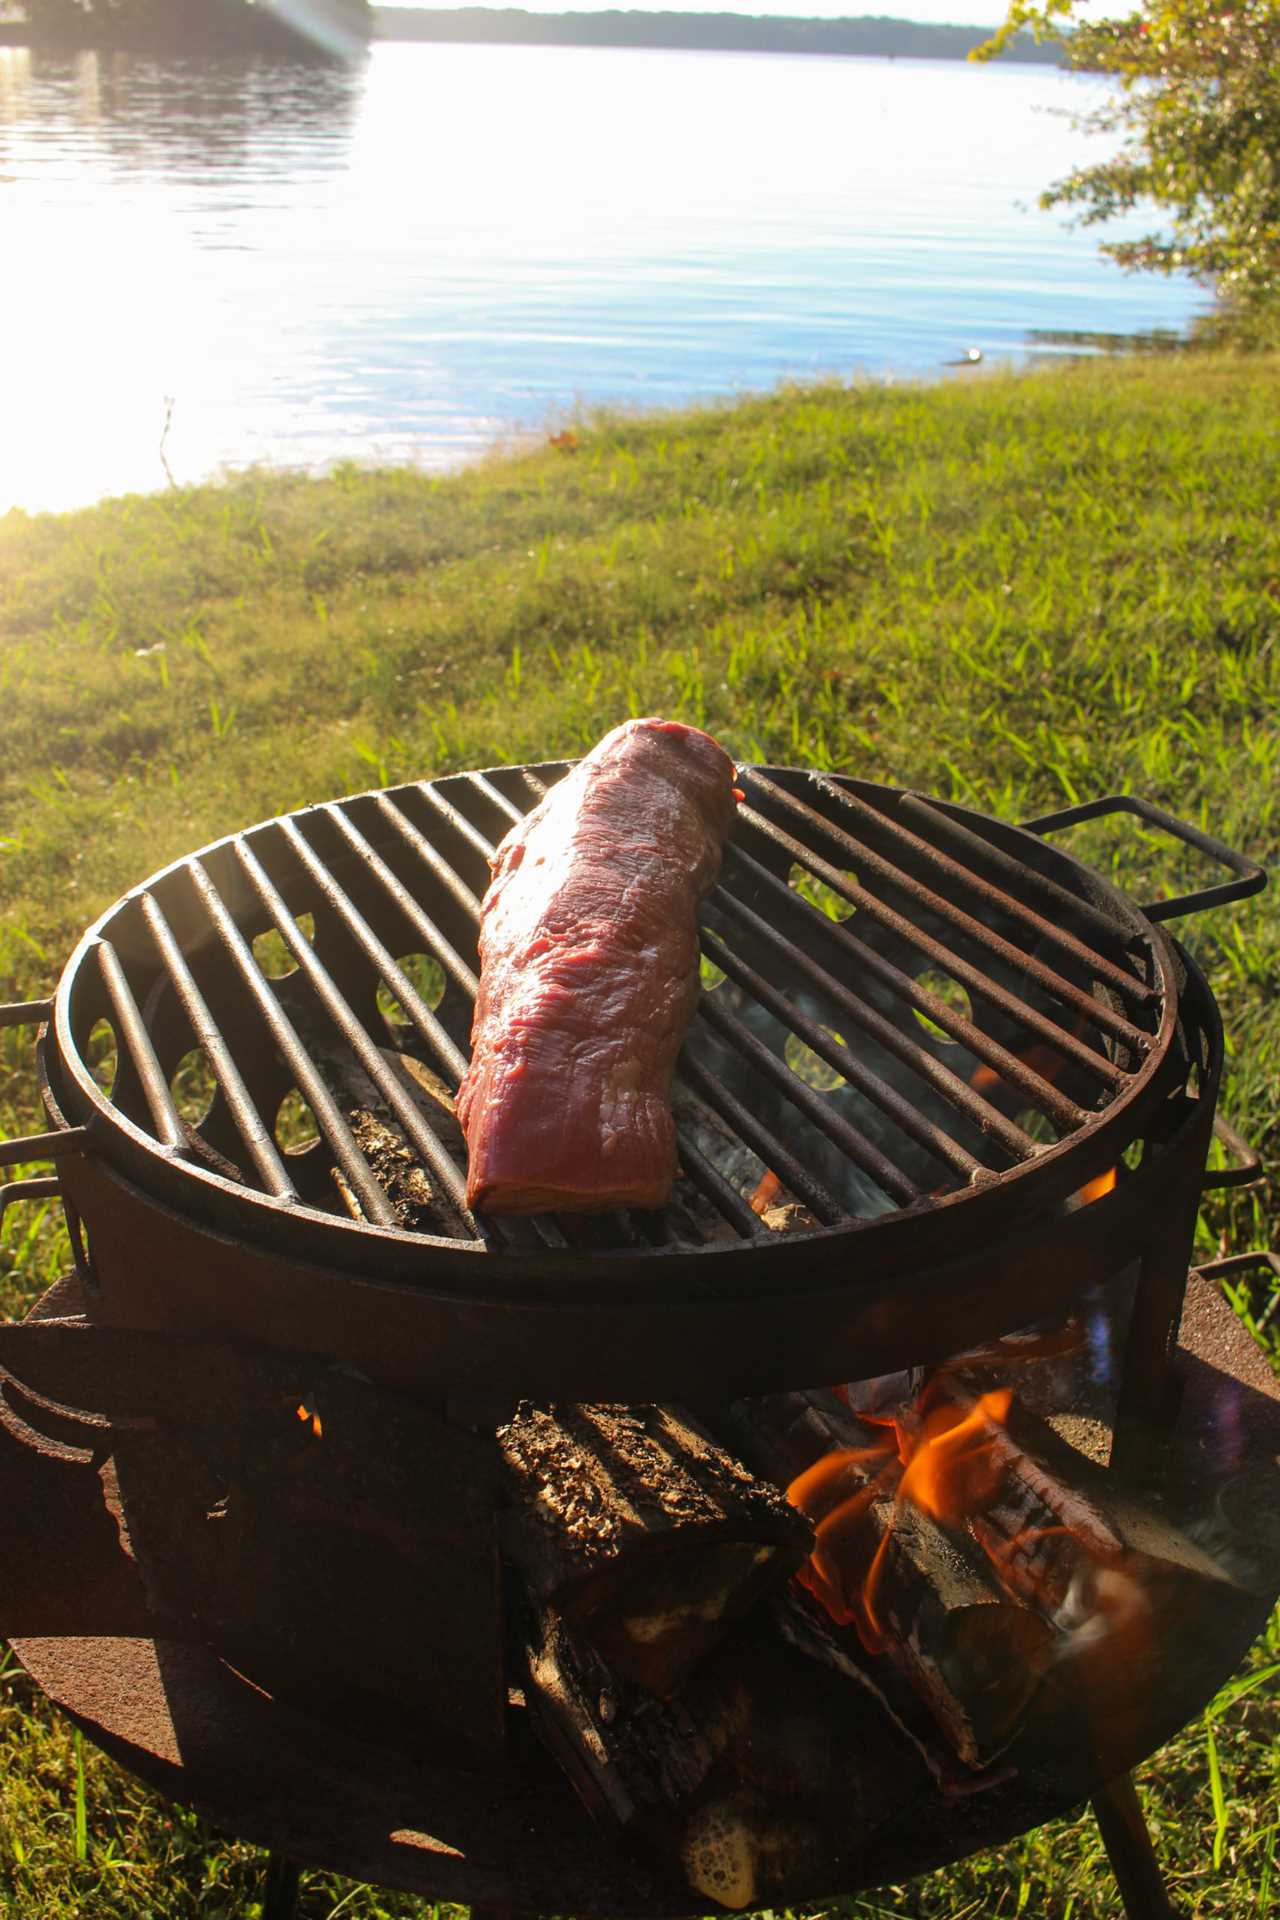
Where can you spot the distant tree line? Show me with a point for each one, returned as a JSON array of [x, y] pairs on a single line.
[[196, 24], [719, 32]]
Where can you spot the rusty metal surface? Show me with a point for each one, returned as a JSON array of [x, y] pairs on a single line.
[[751, 1316], [260, 1503], [512, 1836], [775, 1319]]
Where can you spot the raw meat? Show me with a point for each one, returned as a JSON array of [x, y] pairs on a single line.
[[589, 976]]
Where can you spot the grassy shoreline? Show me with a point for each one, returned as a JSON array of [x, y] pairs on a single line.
[[1016, 592]]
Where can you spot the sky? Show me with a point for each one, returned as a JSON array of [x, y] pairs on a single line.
[[966, 13]]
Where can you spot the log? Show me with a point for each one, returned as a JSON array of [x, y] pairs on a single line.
[[1055, 1521], [1131, 1596], [633, 1760], [760, 1781], [806, 1626], [417, 1194], [894, 1582], [641, 1533], [1128, 1596]]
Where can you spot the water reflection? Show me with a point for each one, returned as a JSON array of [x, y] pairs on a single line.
[[258, 259], [192, 119], [1092, 340]]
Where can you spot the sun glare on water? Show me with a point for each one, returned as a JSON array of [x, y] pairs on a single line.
[[210, 264]]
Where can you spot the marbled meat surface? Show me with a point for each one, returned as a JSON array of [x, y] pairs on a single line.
[[589, 976]]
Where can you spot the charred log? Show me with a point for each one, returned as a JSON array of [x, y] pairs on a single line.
[[634, 1761], [416, 1192], [764, 1777], [1129, 1593], [642, 1534], [1055, 1520], [893, 1581]]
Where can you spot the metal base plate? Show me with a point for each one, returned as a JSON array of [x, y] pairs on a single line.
[[512, 1836]]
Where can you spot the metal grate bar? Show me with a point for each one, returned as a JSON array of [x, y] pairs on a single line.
[[968, 975], [448, 956], [534, 784], [430, 856], [1095, 964], [429, 1028], [713, 1186], [499, 800], [337, 1134], [986, 1118], [863, 1152], [845, 1062], [1006, 1065], [963, 970], [353, 1033], [249, 1122], [458, 821], [776, 1157], [1029, 879], [164, 1115], [26, 1013]]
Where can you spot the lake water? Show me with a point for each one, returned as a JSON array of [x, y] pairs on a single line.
[[211, 263]]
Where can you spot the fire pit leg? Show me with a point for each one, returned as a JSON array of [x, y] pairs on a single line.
[[1148, 1393], [1129, 1849], [280, 1888]]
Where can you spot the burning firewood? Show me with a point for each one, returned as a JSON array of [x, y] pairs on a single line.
[[893, 1580], [643, 1534], [1033, 1602], [1122, 1586], [765, 1775]]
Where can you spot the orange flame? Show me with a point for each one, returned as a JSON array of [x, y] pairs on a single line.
[[942, 1460], [1062, 1559], [945, 1459], [1095, 1189], [305, 1413], [952, 1471], [766, 1193]]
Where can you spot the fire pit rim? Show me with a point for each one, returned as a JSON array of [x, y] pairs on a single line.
[[1051, 1174]]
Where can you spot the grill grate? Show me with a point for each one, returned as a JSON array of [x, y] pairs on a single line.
[[993, 1011]]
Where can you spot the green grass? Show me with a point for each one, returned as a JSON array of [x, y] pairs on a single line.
[[1015, 592]]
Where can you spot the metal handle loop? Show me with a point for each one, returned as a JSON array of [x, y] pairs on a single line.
[[1251, 878], [42, 1189], [33, 1146], [1248, 1163]]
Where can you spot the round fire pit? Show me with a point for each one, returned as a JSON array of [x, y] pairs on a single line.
[[294, 1466]]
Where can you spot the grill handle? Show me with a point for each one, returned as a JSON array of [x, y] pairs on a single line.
[[1247, 1165], [26, 1190], [1251, 878], [26, 1013], [33, 1146]]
